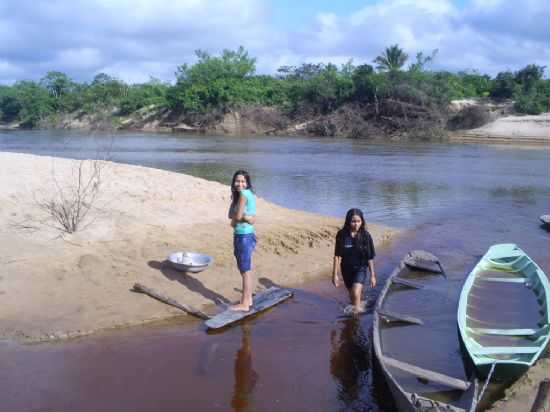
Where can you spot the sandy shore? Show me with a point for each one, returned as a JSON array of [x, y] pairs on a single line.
[[510, 129], [56, 285], [521, 395]]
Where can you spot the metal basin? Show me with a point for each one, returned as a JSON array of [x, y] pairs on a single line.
[[189, 261]]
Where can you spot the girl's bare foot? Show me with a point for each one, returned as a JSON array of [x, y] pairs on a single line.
[[240, 307], [357, 310]]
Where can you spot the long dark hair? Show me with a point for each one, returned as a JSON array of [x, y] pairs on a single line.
[[235, 193], [361, 233]]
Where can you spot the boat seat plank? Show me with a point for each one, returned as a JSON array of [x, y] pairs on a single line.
[[407, 283], [492, 273], [504, 350], [513, 258], [506, 280], [506, 332], [503, 340], [399, 317], [427, 374]]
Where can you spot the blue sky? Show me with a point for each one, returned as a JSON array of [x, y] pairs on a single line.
[[136, 39]]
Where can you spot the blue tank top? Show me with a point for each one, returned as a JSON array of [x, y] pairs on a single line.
[[249, 210]]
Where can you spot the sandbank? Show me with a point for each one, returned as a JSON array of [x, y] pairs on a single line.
[[56, 285], [513, 129]]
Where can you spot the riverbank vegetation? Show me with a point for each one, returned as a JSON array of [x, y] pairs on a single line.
[[395, 93]]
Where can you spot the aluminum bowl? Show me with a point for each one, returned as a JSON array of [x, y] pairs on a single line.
[[189, 261]]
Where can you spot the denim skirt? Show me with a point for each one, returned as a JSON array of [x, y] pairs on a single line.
[[243, 246]]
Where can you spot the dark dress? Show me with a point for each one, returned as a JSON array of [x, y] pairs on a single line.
[[355, 253]]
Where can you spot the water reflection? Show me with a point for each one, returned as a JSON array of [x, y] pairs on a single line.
[[350, 365], [245, 376]]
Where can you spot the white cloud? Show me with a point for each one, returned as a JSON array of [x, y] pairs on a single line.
[[489, 36], [79, 59], [81, 37], [135, 39]]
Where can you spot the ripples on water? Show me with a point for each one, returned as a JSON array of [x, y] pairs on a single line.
[[399, 184]]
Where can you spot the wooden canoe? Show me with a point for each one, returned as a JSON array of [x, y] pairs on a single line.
[[503, 312], [402, 377]]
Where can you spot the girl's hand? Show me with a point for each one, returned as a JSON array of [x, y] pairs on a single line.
[[249, 219], [372, 280], [335, 280]]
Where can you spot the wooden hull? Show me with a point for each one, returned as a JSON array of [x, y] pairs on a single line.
[[398, 374], [503, 312]]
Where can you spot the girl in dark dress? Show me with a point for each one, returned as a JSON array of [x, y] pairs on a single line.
[[354, 256]]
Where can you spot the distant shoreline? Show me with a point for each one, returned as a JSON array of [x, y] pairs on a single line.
[[511, 129]]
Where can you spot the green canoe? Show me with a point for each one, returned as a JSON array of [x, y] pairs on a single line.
[[503, 312]]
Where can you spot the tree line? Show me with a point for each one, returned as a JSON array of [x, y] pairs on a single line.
[[230, 79]]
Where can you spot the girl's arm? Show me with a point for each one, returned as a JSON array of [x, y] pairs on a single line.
[[239, 213], [335, 266], [372, 274]]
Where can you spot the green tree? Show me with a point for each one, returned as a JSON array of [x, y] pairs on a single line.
[[322, 87], [36, 102], [57, 83], [529, 76], [10, 106], [146, 94], [105, 90], [504, 85], [392, 59], [214, 81], [422, 61]]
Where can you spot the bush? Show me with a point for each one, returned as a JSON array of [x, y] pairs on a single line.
[[470, 117], [529, 104]]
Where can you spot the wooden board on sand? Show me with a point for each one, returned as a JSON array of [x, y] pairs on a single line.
[[264, 300]]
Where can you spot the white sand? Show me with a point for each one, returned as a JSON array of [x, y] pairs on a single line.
[[515, 129], [53, 285]]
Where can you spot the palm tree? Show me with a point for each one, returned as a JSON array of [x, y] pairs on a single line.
[[392, 59]]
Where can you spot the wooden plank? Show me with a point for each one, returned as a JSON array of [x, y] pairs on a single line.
[[398, 317], [262, 301], [505, 332], [408, 283], [505, 280], [505, 350], [427, 374], [169, 301], [542, 399]]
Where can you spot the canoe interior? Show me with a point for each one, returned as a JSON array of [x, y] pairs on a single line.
[[435, 304], [506, 309]]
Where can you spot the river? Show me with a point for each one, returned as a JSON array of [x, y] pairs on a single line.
[[454, 200]]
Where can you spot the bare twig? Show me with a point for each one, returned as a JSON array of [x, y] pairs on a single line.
[[69, 205]]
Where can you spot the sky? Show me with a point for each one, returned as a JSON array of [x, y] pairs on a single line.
[[135, 40]]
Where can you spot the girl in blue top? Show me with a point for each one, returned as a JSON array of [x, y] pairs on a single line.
[[242, 213]]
